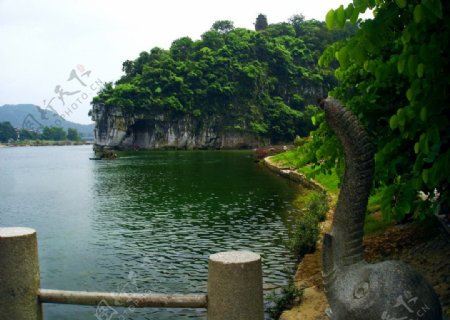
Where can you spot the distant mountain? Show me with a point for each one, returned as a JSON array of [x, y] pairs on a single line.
[[32, 117]]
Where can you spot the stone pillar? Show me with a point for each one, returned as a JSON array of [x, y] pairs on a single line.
[[19, 274], [235, 290]]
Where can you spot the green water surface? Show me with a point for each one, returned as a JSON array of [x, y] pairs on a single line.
[[146, 222]]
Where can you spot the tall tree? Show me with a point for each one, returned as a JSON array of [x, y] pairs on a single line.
[[395, 76], [7, 132], [223, 26], [28, 135], [54, 133], [72, 134]]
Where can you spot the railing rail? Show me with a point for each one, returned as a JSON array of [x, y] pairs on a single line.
[[137, 300], [235, 289]]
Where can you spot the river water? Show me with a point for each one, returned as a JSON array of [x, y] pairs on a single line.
[[146, 222]]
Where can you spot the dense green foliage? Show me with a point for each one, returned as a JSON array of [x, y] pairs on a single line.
[[29, 117], [7, 132], [54, 133], [72, 135], [28, 135], [264, 82], [394, 75]]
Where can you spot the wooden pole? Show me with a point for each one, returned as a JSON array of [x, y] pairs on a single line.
[[19, 274]]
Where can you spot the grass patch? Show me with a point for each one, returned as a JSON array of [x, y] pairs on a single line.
[[286, 159], [374, 223], [292, 159], [329, 181], [305, 234], [374, 204]]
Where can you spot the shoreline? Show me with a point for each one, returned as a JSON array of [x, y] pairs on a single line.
[[425, 247], [53, 144], [308, 275]]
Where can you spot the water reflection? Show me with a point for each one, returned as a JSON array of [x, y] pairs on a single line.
[[146, 222]]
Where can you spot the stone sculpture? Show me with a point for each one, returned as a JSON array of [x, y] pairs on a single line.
[[356, 290]]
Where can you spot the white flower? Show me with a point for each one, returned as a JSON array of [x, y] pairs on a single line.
[[436, 195], [423, 196]]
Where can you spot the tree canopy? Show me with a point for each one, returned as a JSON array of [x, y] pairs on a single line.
[[7, 132], [54, 133], [263, 82], [73, 135], [394, 75]]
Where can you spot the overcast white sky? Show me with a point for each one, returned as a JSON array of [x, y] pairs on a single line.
[[41, 42]]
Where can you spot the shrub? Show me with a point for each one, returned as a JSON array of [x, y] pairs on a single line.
[[306, 229], [283, 300]]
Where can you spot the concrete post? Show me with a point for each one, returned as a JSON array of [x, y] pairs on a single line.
[[19, 274], [235, 290]]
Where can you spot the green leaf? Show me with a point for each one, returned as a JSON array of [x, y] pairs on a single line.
[[423, 141], [401, 64], [386, 201], [314, 120], [401, 118], [340, 16], [393, 122], [358, 54], [354, 17], [330, 19], [342, 57], [420, 69], [435, 6], [404, 207], [405, 199], [361, 5], [406, 36], [425, 174], [349, 11], [409, 94], [401, 3], [423, 114], [440, 170], [418, 13], [416, 148]]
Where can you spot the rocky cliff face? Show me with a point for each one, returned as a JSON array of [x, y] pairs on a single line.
[[158, 131]]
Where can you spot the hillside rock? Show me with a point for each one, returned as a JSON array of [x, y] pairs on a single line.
[[116, 129]]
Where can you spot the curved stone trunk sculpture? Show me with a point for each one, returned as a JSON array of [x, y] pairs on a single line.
[[389, 290]]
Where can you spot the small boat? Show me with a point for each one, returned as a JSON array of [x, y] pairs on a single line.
[[105, 155]]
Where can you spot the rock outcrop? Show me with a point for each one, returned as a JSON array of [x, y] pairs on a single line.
[[116, 129]]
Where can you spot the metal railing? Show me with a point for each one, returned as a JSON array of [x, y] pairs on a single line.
[[235, 289]]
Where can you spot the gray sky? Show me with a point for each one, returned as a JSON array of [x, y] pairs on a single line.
[[45, 43]]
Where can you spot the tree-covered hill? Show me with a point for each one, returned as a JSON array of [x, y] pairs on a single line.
[[263, 81], [32, 117]]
